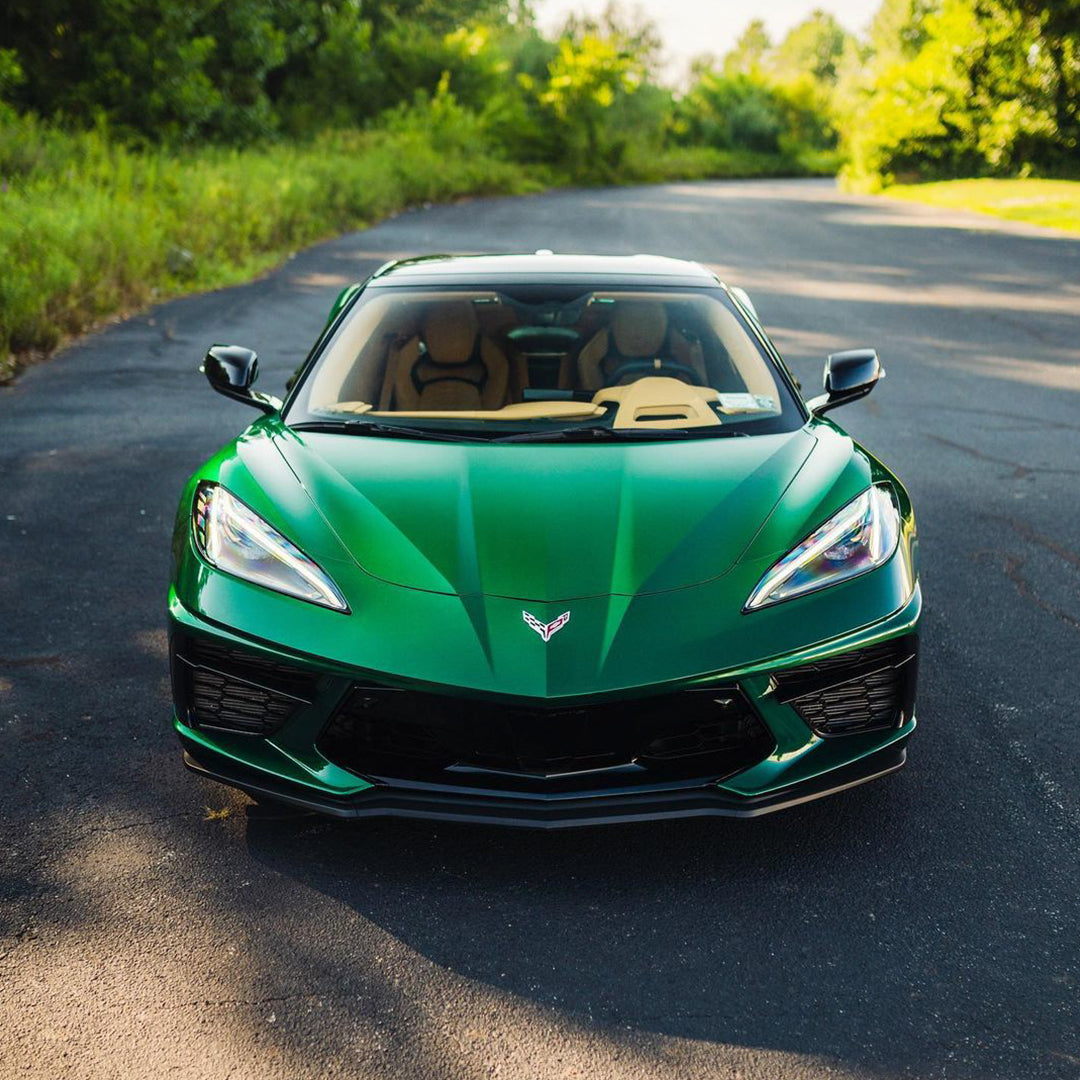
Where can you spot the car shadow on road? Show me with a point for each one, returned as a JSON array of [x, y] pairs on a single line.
[[859, 930]]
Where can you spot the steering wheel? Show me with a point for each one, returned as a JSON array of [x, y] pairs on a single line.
[[668, 367]]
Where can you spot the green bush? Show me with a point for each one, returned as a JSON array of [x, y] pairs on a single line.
[[962, 88], [89, 227], [708, 163], [755, 113]]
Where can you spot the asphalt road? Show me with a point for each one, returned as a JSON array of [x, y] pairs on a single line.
[[153, 924]]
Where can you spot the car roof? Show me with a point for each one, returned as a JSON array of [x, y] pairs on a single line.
[[544, 267]]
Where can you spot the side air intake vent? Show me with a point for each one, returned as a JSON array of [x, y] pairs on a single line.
[[222, 688], [871, 689]]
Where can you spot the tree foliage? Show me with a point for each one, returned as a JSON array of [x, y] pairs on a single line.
[[769, 98], [230, 70], [936, 88], [751, 49], [933, 88], [963, 87], [813, 48]]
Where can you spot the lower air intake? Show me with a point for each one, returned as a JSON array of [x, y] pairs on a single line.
[[871, 689], [384, 732], [221, 688]]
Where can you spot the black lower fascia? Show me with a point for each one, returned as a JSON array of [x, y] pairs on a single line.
[[441, 803]]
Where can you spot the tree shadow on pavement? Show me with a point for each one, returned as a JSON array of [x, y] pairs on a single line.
[[863, 930]]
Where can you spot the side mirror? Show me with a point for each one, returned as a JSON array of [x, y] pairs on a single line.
[[230, 370], [849, 376]]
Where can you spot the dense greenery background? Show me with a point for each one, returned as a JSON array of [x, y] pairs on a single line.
[[148, 146]]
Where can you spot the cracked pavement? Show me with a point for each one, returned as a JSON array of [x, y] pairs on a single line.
[[154, 924]]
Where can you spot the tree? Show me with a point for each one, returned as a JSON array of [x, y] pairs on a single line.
[[636, 35], [181, 70], [751, 48], [586, 79], [1058, 30], [972, 91], [813, 47], [161, 68]]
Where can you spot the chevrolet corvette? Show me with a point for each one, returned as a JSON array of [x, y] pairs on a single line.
[[544, 540]]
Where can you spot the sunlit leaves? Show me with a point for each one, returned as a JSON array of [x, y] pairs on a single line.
[[966, 88]]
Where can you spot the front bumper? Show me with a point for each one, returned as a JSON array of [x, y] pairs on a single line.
[[549, 812], [805, 761]]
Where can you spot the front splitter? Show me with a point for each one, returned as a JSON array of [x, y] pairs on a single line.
[[539, 812]]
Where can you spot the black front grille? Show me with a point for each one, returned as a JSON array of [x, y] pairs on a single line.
[[223, 688], [385, 732], [870, 689]]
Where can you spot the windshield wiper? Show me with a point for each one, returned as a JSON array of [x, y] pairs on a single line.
[[387, 431], [608, 434], [591, 433]]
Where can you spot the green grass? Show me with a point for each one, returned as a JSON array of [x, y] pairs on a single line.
[[1054, 203], [89, 227], [708, 163]]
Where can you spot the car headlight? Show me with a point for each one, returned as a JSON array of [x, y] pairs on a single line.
[[858, 538], [233, 538]]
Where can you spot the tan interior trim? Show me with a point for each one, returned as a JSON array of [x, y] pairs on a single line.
[[643, 403], [346, 406], [522, 410], [656, 401]]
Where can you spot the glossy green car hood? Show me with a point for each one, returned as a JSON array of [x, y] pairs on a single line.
[[545, 522]]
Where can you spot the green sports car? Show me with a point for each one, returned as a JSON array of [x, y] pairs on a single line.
[[544, 540]]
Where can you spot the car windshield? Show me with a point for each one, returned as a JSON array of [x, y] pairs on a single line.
[[544, 360]]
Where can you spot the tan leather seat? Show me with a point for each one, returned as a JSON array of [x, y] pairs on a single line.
[[449, 365], [637, 333]]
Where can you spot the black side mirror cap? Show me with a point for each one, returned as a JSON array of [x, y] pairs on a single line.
[[849, 375], [231, 370]]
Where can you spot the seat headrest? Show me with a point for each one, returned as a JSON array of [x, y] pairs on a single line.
[[639, 327], [449, 332]]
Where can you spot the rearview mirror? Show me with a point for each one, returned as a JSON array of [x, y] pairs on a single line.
[[849, 376], [231, 369]]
